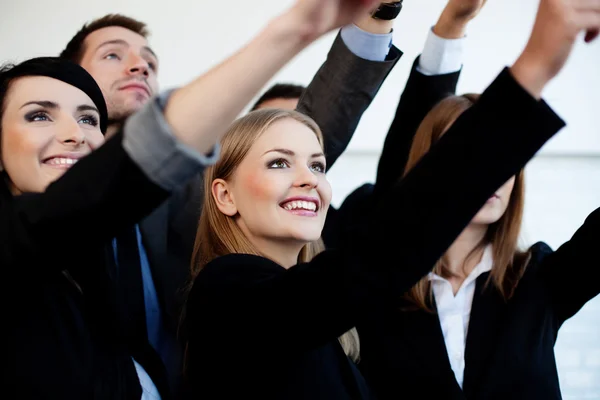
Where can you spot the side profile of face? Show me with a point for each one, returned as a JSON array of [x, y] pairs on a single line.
[[285, 104], [279, 192], [47, 125], [125, 68], [495, 206]]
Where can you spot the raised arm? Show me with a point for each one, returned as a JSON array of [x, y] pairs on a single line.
[[164, 144], [410, 228], [357, 65], [434, 76], [201, 112], [571, 272]]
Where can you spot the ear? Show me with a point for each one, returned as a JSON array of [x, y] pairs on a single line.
[[223, 197]]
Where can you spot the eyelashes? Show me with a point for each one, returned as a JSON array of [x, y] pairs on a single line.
[[44, 116], [281, 163]]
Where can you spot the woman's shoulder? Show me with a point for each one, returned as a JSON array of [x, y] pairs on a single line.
[[537, 253], [236, 269]]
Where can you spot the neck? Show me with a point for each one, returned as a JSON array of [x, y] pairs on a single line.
[[284, 254], [457, 256]]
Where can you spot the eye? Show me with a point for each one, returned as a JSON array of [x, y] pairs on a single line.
[[318, 167], [89, 120], [278, 164], [112, 56], [152, 65], [37, 116]]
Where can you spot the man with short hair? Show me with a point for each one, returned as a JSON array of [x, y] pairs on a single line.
[[280, 95], [152, 260]]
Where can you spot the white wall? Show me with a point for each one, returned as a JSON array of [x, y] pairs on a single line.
[[191, 36]]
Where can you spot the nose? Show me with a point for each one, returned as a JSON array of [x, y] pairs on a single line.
[[306, 179], [137, 65], [70, 133]]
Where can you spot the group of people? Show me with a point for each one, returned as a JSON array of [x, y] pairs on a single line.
[[170, 249]]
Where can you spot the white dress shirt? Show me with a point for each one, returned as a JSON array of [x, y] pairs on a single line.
[[454, 312], [441, 56]]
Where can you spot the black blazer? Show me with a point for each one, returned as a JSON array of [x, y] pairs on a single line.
[[421, 94], [258, 330], [338, 95], [64, 335], [509, 351]]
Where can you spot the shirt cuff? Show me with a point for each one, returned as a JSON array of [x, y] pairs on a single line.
[[441, 56], [366, 45], [150, 143]]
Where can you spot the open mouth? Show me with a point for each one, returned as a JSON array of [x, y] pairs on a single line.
[[301, 205], [60, 162]]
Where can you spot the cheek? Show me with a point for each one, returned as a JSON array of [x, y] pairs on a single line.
[[153, 83], [325, 191], [19, 145], [95, 139], [259, 186]]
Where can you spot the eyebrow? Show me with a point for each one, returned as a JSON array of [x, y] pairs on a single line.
[[43, 103], [291, 153], [85, 107], [53, 105], [124, 43]]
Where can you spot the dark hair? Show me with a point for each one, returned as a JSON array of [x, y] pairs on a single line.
[[75, 49], [53, 67], [280, 91]]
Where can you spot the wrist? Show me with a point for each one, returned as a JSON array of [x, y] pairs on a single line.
[[291, 30], [531, 73], [376, 26], [450, 27]]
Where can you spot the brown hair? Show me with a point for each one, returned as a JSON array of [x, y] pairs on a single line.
[[503, 235], [219, 234], [75, 48]]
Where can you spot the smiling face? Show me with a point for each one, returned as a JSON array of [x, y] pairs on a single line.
[[47, 125], [278, 193], [124, 66]]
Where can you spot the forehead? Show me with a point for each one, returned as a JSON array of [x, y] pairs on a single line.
[[110, 33], [288, 134], [43, 88]]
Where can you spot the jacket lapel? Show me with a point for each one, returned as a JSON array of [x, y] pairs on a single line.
[[428, 339], [487, 314]]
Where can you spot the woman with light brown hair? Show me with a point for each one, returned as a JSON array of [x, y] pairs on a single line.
[[483, 323], [268, 315]]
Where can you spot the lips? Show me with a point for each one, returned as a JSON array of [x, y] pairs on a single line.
[[62, 161], [303, 203], [136, 86]]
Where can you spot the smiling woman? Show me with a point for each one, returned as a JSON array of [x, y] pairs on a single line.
[[47, 125]]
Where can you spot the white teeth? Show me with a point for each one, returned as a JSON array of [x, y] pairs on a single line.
[[300, 205], [61, 161]]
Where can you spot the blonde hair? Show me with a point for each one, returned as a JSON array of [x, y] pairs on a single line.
[[219, 234], [509, 262]]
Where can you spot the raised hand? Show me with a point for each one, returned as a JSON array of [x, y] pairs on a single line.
[[455, 17], [317, 17], [464, 9], [557, 25]]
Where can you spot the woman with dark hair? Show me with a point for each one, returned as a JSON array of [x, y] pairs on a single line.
[[61, 202]]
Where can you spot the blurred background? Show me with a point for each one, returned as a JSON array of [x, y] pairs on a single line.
[[563, 181]]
